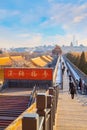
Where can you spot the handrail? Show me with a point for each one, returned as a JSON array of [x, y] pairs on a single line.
[[44, 117], [55, 71], [46, 113], [32, 96], [41, 123], [80, 73], [76, 75]]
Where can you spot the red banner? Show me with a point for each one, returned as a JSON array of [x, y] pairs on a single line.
[[28, 74]]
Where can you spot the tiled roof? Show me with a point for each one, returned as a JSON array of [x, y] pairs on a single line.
[[5, 61], [17, 58], [46, 58], [39, 62]]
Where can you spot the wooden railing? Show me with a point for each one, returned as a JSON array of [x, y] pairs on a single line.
[[32, 97], [44, 117], [55, 71], [40, 115]]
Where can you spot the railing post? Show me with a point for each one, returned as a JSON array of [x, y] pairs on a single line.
[[30, 122], [53, 93], [57, 94], [41, 105], [49, 105]]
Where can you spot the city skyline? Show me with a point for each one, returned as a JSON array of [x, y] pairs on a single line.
[[25, 23]]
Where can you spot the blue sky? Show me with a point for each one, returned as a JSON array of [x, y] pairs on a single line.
[[27, 23]]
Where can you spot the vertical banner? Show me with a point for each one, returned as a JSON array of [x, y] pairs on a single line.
[[28, 74]]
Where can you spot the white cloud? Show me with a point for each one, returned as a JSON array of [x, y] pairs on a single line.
[[4, 14], [66, 14], [70, 17], [79, 18], [51, 1], [9, 39], [34, 40], [24, 35]]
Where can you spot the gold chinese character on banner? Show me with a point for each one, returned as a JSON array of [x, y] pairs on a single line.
[[45, 74], [21, 73], [10, 73], [33, 74]]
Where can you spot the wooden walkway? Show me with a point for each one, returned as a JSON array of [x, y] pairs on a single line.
[[71, 114]]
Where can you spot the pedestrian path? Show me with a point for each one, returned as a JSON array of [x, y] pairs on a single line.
[[71, 114], [82, 99]]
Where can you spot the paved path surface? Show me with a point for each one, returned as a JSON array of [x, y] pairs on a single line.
[[71, 113]]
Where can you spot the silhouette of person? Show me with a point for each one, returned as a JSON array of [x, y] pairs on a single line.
[[72, 89], [80, 83], [70, 77]]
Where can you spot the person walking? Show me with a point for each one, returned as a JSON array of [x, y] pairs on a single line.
[[80, 84], [72, 89], [70, 78]]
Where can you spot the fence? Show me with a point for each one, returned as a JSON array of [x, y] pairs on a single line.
[[44, 118]]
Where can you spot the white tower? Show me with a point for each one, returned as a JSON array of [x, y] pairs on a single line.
[[73, 42]]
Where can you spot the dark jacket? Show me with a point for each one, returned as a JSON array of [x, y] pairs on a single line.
[[72, 88]]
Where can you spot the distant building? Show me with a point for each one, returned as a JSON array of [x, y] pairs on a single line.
[[57, 50], [71, 44], [80, 48]]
